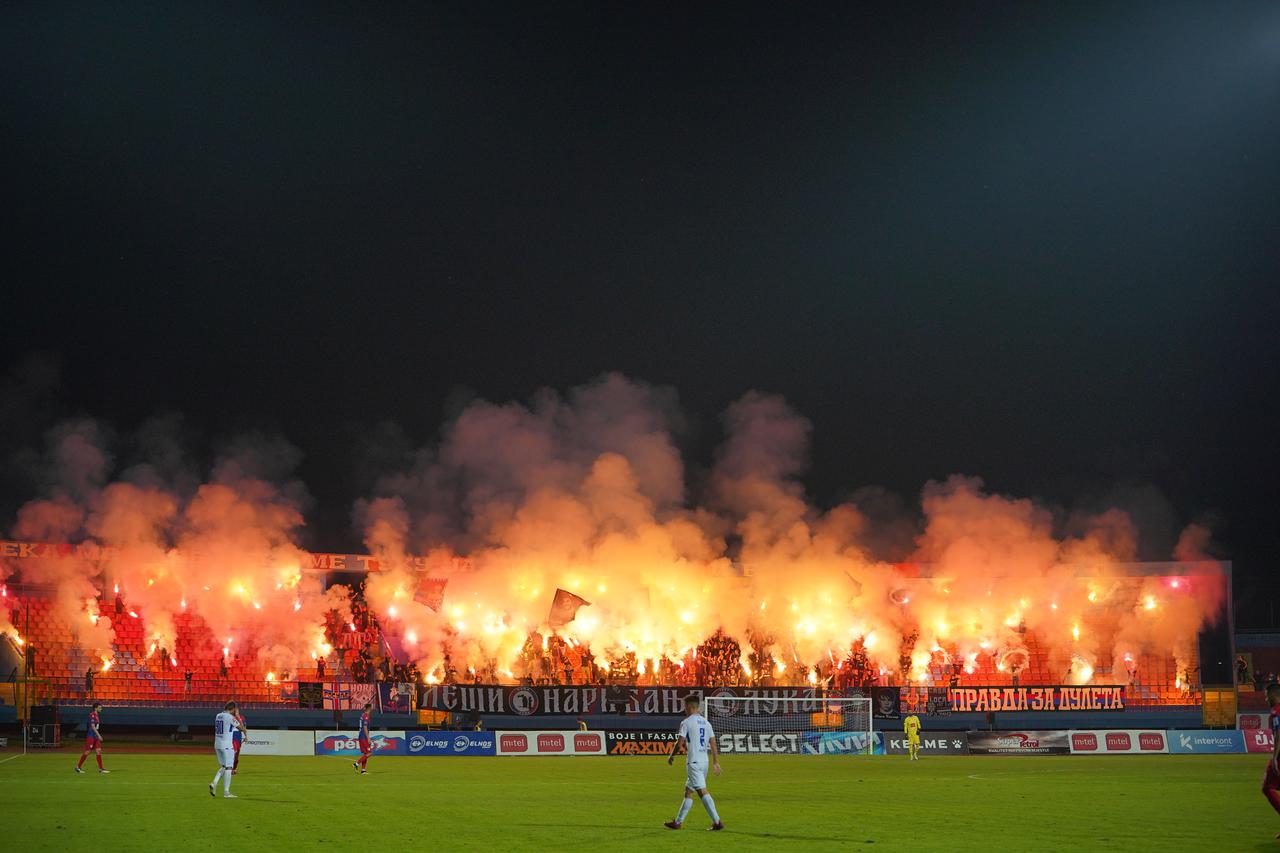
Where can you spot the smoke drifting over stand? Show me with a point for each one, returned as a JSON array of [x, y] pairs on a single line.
[[587, 492]]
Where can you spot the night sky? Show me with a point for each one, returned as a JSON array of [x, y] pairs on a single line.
[[1036, 244]]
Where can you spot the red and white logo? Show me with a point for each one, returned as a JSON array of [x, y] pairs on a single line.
[[513, 743], [550, 742], [1119, 742], [1084, 742], [587, 743], [1151, 741]]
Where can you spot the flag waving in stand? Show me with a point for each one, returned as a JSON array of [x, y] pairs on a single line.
[[431, 592], [564, 608]]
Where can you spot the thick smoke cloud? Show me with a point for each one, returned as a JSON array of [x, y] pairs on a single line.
[[221, 548], [587, 491]]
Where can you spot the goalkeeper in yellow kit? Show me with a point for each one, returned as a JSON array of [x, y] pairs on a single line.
[[911, 728]]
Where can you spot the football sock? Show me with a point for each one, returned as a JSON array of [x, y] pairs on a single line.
[[216, 777], [99, 757], [83, 756], [710, 805], [226, 782], [684, 810]]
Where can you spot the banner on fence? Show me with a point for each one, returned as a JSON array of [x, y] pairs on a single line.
[[886, 703], [272, 742], [939, 743], [452, 743], [395, 698], [551, 743], [342, 696], [1036, 698], [310, 695], [347, 743], [1019, 743], [639, 742], [542, 701], [1206, 741], [1118, 742]]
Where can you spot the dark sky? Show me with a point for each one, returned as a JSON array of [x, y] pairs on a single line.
[[1038, 244]]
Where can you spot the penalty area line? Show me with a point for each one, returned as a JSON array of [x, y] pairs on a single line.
[[10, 758]]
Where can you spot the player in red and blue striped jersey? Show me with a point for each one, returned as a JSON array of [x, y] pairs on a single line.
[[366, 745], [93, 740]]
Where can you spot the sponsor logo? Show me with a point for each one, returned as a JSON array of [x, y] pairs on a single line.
[[631, 747], [1259, 740], [1207, 741], [840, 743], [760, 743], [1151, 741], [1119, 742], [1084, 742], [1020, 743], [417, 743], [524, 702], [514, 743], [550, 743], [587, 742], [460, 743], [350, 744]]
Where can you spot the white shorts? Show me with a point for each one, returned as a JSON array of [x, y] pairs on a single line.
[[226, 755], [697, 776]]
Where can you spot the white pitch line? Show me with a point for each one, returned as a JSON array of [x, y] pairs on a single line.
[[10, 758]]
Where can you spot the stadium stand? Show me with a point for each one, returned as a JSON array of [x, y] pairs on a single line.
[[140, 675]]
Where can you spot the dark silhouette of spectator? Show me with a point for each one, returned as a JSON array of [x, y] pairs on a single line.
[[186, 682], [320, 668], [88, 682]]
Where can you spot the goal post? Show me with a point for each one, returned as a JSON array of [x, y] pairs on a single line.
[[792, 726]]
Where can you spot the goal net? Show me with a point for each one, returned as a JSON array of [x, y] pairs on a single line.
[[792, 726]]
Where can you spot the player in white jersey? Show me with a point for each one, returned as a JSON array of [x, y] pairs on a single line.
[[224, 729], [699, 740]]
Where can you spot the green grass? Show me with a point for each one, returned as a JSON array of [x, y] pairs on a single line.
[[161, 802]]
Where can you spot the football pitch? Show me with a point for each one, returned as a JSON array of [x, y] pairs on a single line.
[[157, 802]]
